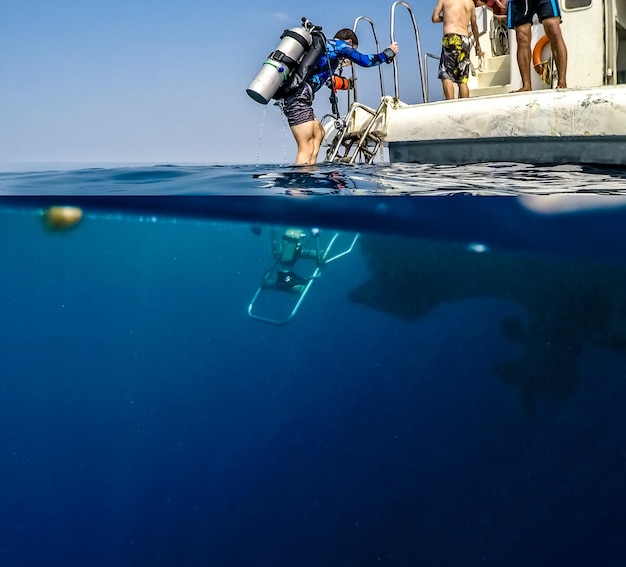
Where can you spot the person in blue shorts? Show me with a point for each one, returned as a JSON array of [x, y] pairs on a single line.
[[519, 18], [298, 105]]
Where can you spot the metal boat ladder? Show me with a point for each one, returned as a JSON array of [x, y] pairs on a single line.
[[360, 139], [282, 290], [362, 145]]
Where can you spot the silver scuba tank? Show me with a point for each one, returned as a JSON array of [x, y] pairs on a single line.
[[279, 64]]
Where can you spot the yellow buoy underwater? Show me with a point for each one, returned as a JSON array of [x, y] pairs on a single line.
[[62, 217]]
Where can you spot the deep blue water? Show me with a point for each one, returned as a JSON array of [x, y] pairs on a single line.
[[432, 402]]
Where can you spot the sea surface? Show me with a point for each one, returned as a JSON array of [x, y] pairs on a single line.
[[262, 365]]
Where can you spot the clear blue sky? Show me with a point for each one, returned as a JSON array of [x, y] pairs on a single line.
[[156, 81]]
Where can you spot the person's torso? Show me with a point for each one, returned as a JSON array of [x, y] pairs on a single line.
[[457, 15]]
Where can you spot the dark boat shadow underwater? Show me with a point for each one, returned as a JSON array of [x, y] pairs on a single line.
[[450, 391], [568, 303]]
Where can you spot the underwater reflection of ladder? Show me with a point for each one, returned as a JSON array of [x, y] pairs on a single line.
[[292, 248]]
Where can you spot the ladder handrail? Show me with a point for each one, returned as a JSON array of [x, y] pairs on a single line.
[[380, 69], [340, 254], [419, 49]]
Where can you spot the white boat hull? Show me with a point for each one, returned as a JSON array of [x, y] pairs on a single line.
[[550, 126]]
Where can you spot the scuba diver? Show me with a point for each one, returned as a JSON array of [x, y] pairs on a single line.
[[298, 259], [287, 251], [297, 103], [304, 62]]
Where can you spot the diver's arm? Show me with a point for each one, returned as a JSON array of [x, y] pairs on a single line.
[[346, 51]]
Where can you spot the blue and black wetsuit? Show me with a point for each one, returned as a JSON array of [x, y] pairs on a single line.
[[298, 104]]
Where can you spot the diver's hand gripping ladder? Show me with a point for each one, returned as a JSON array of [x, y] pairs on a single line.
[[294, 247], [359, 136]]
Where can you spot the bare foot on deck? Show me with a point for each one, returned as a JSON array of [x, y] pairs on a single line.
[[522, 90]]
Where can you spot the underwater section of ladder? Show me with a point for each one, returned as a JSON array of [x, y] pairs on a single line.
[[299, 257]]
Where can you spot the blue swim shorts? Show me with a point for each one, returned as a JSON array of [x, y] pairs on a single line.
[[522, 11]]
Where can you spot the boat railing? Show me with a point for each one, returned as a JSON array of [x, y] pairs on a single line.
[[428, 56]]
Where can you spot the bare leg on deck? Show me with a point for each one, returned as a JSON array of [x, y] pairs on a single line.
[[552, 28], [522, 35]]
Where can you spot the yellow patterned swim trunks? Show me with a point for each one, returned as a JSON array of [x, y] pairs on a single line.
[[454, 63]]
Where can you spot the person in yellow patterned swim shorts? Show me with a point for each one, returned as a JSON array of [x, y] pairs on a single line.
[[454, 64]]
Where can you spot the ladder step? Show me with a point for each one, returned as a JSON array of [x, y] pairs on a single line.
[[362, 143], [375, 135]]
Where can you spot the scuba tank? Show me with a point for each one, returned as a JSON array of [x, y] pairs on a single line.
[[308, 65], [281, 62]]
